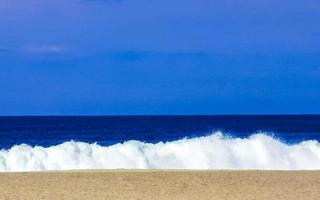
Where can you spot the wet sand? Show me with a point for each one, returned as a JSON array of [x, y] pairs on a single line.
[[162, 185]]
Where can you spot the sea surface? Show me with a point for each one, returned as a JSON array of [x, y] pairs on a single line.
[[165, 142]]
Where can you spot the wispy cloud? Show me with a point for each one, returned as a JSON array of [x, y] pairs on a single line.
[[44, 49], [35, 49], [107, 0]]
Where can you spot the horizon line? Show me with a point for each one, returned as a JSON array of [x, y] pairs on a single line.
[[158, 115]]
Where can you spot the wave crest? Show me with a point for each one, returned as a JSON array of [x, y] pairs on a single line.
[[259, 151]]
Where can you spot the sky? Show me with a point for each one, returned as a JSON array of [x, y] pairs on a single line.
[[134, 57]]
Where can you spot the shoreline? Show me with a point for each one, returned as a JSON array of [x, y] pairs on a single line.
[[157, 170], [161, 184]]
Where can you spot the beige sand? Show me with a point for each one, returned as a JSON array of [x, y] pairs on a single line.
[[184, 185]]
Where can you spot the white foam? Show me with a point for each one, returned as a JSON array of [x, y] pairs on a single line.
[[216, 151]]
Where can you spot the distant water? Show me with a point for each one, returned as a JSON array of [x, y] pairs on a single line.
[[183, 142]]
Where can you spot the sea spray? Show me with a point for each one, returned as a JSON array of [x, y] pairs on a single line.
[[216, 151]]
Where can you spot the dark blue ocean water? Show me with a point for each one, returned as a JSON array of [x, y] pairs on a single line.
[[106, 130]]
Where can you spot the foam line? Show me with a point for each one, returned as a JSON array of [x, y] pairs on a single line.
[[259, 151]]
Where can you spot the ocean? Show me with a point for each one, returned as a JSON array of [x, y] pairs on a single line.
[[280, 142]]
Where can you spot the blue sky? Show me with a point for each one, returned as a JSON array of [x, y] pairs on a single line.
[[159, 57]]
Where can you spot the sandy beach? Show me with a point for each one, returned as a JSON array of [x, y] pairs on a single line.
[[162, 185]]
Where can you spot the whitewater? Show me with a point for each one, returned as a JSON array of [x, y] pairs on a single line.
[[216, 151]]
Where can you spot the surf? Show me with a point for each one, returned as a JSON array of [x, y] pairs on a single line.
[[216, 151]]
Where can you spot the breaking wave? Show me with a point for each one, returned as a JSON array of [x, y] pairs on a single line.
[[217, 151]]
